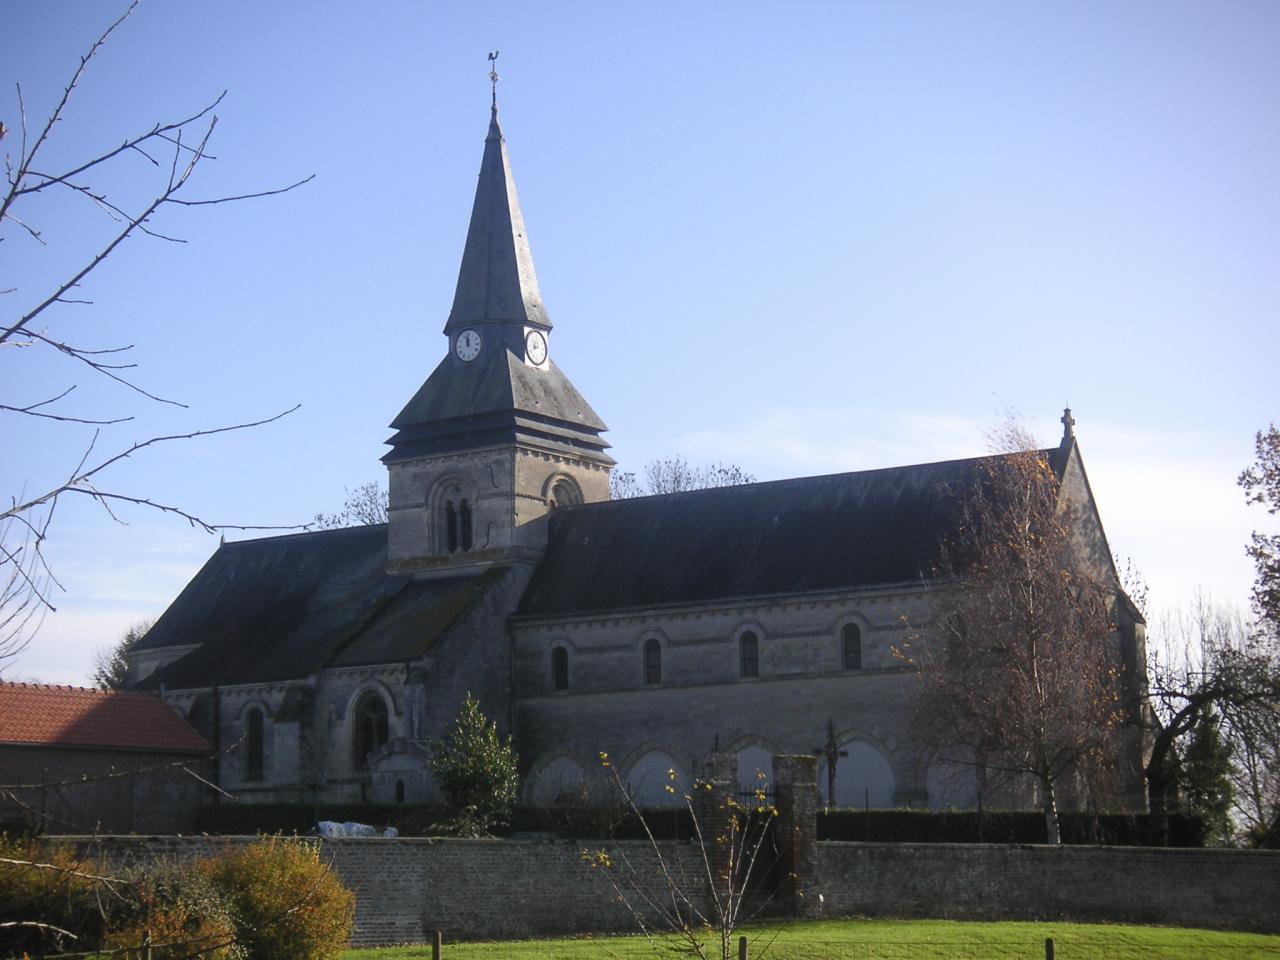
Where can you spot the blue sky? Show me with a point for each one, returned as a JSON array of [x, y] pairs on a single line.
[[803, 237]]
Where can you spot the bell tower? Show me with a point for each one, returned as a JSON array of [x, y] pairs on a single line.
[[497, 436]]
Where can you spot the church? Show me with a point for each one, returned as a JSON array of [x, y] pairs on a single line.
[[758, 619]]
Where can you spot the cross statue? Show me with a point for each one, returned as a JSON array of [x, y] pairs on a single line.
[[1068, 424], [832, 753]]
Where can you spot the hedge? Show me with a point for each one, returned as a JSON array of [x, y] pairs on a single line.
[[1006, 826], [892, 826]]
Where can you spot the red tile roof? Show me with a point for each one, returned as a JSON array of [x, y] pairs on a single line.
[[36, 713]]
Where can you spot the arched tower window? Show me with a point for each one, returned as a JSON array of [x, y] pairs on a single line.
[[464, 524], [652, 661], [565, 493], [851, 646], [253, 747], [560, 669], [451, 527], [371, 728], [749, 654]]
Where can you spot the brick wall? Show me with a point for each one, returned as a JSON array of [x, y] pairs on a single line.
[[1226, 889]]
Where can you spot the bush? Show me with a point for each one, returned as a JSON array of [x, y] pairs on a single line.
[[286, 903], [176, 910], [59, 893]]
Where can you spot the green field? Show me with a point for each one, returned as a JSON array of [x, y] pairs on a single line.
[[895, 940]]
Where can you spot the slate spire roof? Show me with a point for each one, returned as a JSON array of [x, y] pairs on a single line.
[[497, 398], [496, 282]]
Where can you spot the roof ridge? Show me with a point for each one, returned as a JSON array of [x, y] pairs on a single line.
[[303, 533], [794, 481], [71, 688]]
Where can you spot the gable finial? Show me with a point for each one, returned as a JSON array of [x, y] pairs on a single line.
[[1068, 425], [493, 75]]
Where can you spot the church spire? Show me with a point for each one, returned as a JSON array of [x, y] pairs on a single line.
[[496, 283]]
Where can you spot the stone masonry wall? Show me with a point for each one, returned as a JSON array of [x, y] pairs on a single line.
[[473, 889], [1224, 889], [468, 889]]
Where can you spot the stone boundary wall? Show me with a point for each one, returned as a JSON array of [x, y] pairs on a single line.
[[1220, 889], [468, 889], [477, 889]]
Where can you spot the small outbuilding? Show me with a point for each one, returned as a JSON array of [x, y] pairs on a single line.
[[74, 760]]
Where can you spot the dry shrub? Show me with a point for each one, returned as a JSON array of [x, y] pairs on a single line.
[[177, 911], [52, 887], [286, 903]]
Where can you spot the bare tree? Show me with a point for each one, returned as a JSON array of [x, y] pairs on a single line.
[[674, 474], [366, 504], [1019, 675], [169, 154]]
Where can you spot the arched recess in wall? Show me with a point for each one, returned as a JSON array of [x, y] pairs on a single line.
[[557, 781], [561, 490], [863, 776], [451, 506], [649, 776]]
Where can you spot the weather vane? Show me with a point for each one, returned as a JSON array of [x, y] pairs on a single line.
[[493, 75]]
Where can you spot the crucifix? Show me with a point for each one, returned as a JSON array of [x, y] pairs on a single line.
[[832, 753]]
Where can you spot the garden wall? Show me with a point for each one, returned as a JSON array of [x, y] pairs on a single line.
[[501, 888], [469, 889], [1223, 889]]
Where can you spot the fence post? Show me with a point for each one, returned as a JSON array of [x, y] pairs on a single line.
[[742, 948], [436, 940], [1048, 948]]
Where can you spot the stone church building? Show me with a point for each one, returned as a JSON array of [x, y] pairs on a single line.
[[748, 618]]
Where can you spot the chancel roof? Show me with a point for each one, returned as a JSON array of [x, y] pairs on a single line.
[[812, 534], [284, 607]]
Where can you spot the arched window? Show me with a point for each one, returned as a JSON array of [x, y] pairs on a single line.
[[253, 747], [399, 791], [851, 644], [451, 527], [749, 654], [652, 661], [565, 493], [371, 728], [464, 523], [560, 669]]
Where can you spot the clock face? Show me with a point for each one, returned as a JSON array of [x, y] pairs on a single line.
[[468, 345], [535, 347]]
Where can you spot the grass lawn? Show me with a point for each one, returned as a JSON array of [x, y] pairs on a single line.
[[896, 940]]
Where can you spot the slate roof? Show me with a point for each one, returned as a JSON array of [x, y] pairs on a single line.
[[496, 383], [496, 281], [284, 607], [35, 714], [840, 531]]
